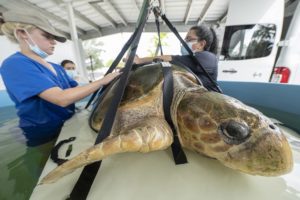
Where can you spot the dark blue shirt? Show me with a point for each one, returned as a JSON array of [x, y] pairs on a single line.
[[25, 79], [209, 62]]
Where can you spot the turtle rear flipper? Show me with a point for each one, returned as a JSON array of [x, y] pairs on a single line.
[[150, 135]]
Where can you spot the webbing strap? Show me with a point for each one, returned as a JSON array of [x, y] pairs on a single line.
[[173, 29], [168, 87], [85, 181], [113, 66], [54, 151]]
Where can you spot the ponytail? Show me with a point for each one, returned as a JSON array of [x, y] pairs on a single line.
[[209, 35], [214, 44]]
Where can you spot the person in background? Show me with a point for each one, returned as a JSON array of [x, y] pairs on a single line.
[[43, 93], [70, 68], [203, 42]]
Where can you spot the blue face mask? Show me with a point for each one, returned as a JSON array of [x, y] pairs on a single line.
[[38, 51], [71, 73], [34, 47], [183, 50]]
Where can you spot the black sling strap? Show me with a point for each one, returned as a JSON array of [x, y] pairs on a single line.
[[168, 87], [113, 66], [173, 29], [83, 185], [54, 152]]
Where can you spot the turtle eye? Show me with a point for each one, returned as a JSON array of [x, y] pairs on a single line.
[[234, 132]]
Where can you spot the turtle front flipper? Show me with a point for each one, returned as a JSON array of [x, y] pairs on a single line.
[[150, 135]]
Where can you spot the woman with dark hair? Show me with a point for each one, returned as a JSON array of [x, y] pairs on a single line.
[[70, 69], [203, 42]]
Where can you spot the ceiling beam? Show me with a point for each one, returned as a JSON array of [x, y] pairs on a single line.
[[103, 13], [50, 15], [162, 6], [79, 15], [87, 20], [25, 5], [2, 9], [204, 11], [188, 11], [150, 27], [222, 18], [135, 3], [122, 18]]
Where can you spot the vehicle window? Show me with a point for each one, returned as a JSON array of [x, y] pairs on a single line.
[[248, 41]]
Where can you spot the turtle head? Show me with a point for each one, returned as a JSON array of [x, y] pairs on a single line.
[[239, 136]]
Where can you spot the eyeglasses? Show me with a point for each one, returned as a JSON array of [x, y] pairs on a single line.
[[70, 68], [189, 39]]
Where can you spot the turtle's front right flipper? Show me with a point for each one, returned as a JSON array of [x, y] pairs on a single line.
[[150, 135]]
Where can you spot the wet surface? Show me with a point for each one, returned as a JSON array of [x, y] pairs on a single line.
[[147, 176], [20, 165], [154, 175]]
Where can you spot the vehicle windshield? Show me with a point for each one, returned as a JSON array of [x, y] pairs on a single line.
[[248, 41]]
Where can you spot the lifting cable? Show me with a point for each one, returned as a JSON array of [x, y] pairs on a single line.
[[157, 11], [158, 33], [87, 176], [113, 66], [83, 185]]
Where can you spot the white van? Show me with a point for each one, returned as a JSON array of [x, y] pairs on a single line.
[[287, 67], [252, 43]]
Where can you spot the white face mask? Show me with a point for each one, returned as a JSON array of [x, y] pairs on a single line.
[[71, 73], [183, 51], [35, 48]]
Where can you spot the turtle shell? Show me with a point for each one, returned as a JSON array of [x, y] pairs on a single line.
[[141, 82]]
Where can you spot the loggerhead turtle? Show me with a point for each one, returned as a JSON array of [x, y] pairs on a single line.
[[212, 124]]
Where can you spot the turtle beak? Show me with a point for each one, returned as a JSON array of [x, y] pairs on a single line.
[[267, 155]]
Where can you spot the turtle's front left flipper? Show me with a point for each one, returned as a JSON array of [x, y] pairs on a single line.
[[150, 135]]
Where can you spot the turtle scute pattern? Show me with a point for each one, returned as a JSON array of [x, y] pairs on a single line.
[[209, 123]]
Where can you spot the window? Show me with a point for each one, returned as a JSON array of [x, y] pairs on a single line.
[[248, 41]]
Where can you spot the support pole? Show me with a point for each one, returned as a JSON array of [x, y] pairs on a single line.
[[79, 53]]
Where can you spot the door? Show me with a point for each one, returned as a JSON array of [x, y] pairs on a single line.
[[253, 29]]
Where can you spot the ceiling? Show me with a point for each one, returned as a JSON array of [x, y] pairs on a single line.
[[96, 18]]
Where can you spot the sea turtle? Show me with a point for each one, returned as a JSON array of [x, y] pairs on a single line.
[[209, 123]]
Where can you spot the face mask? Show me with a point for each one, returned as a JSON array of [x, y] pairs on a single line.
[[183, 51], [38, 51], [34, 47], [71, 73]]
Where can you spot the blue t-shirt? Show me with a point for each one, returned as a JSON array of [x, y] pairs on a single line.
[[24, 79]]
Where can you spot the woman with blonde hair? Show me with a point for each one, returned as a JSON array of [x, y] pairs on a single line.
[[43, 93]]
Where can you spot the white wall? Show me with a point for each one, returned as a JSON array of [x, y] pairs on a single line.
[[7, 48], [62, 51]]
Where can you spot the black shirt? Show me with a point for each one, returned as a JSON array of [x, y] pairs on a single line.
[[209, 62]]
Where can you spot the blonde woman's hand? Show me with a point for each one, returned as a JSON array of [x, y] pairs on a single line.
[[109, 77]]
